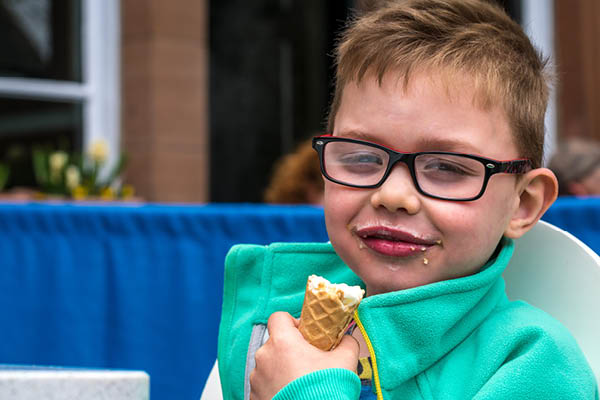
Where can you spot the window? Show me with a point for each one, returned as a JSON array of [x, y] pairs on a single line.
[[59, 78]]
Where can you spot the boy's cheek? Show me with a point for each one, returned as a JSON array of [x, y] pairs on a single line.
[[334, 196], [470, 225]]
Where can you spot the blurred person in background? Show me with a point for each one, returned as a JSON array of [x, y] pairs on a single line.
[[576, 164], [296, 178]]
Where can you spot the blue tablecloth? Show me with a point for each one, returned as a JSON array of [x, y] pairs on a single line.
[[140, 287]]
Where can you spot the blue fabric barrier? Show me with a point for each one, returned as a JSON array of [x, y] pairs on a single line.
[[581, 217], [140, 287], [127, 287]]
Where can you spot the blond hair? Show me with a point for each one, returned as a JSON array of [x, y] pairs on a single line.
[[471, 39]]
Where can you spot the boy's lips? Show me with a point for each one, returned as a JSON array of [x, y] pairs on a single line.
[[392, 242]]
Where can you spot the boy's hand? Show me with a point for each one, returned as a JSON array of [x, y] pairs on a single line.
[[287, 356]]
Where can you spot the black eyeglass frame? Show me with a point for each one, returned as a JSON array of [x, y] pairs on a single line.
[[491, 166]]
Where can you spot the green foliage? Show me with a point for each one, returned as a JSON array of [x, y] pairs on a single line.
[[4, 174]]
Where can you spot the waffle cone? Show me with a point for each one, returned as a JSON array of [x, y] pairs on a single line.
[[324, 318]]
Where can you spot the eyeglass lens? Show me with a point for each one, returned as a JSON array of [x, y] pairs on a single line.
[[442, 175]]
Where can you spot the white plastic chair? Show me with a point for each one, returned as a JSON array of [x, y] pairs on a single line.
[[552, 270], [212, 389]]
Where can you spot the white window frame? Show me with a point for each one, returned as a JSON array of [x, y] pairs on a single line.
[[538, 23], [99, 91]]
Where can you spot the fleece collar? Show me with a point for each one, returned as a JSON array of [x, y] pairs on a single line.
[[412, 329]]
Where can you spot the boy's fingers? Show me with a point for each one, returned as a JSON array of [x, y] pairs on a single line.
[[347, 352], [348, 344], [280, 320]]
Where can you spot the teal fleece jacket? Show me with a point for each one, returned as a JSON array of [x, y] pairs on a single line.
[[455, 339]]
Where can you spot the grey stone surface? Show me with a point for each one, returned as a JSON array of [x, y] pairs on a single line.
[[34, 383]]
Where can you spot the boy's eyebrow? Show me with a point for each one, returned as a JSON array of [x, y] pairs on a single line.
[[444, 144], [425, 144], [360, 135]]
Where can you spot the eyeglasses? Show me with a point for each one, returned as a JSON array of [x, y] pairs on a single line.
[[437, 174]]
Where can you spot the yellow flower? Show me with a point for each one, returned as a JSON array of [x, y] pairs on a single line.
[[99, 151], [107, 193], [79, 193], [57, 161], [127, 191], [72, 177]]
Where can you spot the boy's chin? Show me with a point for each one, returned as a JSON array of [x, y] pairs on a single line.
[[389, 286]]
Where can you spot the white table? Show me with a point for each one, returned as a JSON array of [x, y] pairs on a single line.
[[34, 383]]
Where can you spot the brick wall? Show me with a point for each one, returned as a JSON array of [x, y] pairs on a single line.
[[164, 96]]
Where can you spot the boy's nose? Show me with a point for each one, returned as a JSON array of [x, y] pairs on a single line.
[[397, 192]]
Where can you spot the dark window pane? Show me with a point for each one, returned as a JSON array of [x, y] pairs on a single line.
[[41, 39], [25, 124], [513, 8]]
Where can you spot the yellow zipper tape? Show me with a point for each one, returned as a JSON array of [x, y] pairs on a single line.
[[372, 353]]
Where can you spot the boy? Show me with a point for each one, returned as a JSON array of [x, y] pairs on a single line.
[[430, 94]]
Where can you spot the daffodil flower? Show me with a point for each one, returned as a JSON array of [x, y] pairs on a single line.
[[57, 161], [72, 177], [98, 151], [107, 193], [79, 193]]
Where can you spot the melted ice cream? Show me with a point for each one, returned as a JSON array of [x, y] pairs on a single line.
[[349, 295]]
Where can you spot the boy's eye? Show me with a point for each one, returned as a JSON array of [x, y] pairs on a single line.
[[360, 163], [361, 158], [365, 163], [448, 168]]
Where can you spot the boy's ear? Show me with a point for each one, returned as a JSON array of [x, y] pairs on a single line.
[[538, 189]]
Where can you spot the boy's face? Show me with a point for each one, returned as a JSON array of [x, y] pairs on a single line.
[[452, 239]]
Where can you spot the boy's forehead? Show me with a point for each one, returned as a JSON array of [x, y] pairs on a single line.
[[456, 86]]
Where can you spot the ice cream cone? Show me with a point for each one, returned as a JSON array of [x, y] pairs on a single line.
[[327, 311]]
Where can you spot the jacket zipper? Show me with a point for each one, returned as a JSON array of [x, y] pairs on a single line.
[[372, 353]]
